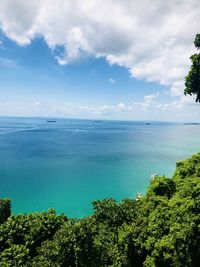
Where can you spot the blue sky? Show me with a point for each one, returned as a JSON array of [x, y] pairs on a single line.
[[66, 70]]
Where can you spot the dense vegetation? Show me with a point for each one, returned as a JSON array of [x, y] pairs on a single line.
[[192, 80], [161, 228]]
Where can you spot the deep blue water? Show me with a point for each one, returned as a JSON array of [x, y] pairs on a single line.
[[70, 163]]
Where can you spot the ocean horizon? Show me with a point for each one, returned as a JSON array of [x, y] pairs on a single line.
[[68, 163]]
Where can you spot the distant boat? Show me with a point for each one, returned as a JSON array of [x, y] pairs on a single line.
[[191, 123], [147, 123], [51, 121], [98, 121]]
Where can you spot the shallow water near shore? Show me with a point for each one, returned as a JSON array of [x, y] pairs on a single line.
[[67, 164]]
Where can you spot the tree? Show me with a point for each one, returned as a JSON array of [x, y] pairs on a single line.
[[15, 256], [197, 41], [5, 209], [192, 80]]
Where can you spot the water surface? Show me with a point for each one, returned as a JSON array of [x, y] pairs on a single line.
[[70, 163]]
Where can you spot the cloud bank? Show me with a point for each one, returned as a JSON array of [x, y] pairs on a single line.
[[151, 38], [149, 108]]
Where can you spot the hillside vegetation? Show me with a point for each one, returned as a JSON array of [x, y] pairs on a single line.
[[161, 228]]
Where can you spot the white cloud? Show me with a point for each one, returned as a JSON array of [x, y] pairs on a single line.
[[111, 80], [153, 39], [36, 104], [184, 109], [150, 98], [121, 105]]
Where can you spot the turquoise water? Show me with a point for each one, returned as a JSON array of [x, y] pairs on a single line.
[[68, 164]]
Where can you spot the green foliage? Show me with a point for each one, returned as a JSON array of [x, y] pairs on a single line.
[[188, 168], [106, 211], [192, 80], [162, 186], [5, 209], [162, 229], [15, 256], [29, 230], [197, 41]]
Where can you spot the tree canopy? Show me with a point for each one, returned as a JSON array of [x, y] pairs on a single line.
[[192, 80]]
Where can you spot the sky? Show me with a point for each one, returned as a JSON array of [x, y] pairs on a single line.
[[97, 59]]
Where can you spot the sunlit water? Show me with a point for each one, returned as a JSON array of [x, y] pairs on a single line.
[[70, 163]]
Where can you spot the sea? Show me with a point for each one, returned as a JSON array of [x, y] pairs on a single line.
[[67, 164]]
